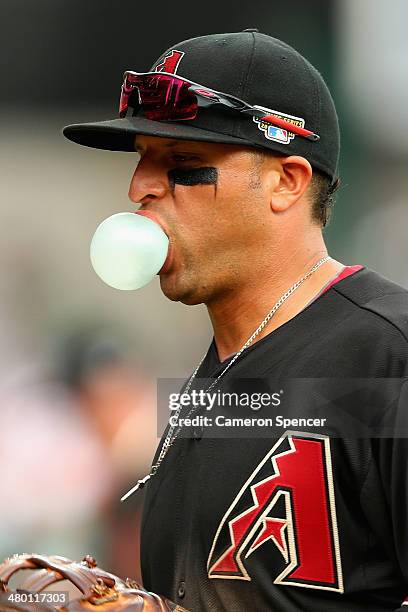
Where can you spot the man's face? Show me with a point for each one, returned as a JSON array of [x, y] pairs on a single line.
[[211, 201]]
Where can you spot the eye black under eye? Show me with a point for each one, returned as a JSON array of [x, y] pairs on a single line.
[[193, 176]]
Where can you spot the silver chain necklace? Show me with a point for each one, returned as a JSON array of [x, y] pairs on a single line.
[[175, 429]]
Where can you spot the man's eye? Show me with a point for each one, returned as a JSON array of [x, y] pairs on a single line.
[[181, 157]]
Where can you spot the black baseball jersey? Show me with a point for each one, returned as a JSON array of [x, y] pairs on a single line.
[[299, 521]]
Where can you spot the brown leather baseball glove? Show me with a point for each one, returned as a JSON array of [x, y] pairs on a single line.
[[101, 591]]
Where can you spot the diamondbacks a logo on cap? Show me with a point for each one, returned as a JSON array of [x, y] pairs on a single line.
[[277, 134], [170, 62]]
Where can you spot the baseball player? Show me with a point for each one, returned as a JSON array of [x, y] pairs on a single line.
[[239, 143]]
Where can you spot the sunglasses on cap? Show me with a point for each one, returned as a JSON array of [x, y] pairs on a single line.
[[165, 97]]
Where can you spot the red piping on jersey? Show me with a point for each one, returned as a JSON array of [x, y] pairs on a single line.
[[347, 271]]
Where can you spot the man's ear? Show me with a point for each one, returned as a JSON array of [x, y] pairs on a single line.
[[293, 177]]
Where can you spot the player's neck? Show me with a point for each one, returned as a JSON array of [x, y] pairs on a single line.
[[235, 316]]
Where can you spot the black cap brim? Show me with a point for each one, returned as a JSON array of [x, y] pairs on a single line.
[[119, 134]]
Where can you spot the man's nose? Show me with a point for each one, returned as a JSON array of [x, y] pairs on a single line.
[[149, 182]]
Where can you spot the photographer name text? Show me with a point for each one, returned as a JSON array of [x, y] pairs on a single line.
[[223, 421]]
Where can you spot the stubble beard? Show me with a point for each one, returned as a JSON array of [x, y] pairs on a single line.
[[183, 288], [181, 284]]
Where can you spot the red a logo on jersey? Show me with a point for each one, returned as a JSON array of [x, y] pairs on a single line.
[[170, 62], [300, 482]]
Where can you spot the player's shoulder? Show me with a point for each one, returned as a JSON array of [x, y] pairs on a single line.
[[376, 300]]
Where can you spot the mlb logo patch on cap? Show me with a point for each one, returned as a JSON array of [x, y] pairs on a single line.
[[275, 133], [278, 134]]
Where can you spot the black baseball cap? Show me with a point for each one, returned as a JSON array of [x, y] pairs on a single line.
[[249, 65]]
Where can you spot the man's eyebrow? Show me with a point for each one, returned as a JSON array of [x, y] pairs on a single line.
[[173, 143]]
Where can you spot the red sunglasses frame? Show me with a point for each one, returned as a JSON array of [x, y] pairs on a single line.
[[195, 96]]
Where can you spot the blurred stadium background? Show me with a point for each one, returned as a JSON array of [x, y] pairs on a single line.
[[79, 360]]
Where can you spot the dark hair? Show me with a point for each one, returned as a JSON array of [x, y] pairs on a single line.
[[321, 189]]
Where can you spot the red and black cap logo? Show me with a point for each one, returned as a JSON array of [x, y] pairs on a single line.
[[170, 62]]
